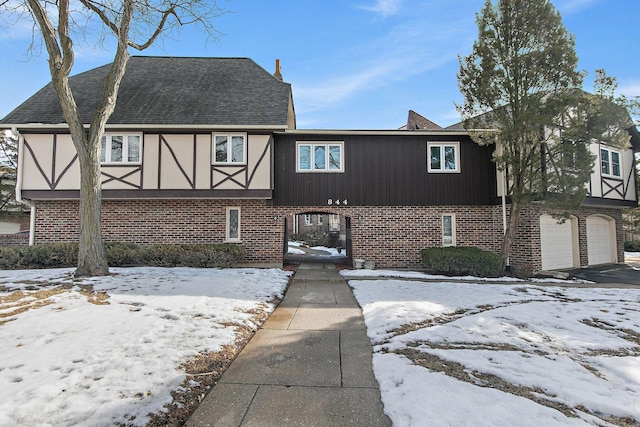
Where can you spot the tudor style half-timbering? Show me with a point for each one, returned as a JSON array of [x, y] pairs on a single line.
[[135, 165], [205, 150]]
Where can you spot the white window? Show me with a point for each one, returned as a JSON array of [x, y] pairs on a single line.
[[443, 157], [319, 157], [231, 148], [233, 225], [610, 162], [307, 219], [120, 148], [448, 230], [334, 222], [320, 220]]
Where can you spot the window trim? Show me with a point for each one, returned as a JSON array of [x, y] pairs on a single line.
[[327, 145], [442, 145], [453, 230], [610, 152], [229, 152], [227, 233], [308, 219], [108, 138]]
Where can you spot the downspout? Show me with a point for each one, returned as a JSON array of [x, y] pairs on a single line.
[[32, 206], [503, 184]]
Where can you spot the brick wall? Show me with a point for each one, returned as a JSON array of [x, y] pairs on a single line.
[[18, 239], [148, 222], [527, 253], [390, 236]]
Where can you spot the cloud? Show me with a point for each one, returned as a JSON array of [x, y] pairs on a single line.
[[574, 6], [407, 50], [16, 21], [384, 8], [629, 88]]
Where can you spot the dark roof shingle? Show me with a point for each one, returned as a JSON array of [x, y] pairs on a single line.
[[173, 91]]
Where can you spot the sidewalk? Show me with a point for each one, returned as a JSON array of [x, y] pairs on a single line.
[[310, 364]]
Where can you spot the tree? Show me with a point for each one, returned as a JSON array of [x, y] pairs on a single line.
[[8, 165], [522, 91], [134, 24]]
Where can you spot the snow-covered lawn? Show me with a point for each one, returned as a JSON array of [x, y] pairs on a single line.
[[319, 251], [476, 354], [110, 350]]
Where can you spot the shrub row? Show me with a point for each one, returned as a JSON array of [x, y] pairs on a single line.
[[56, 255], [461, 261], [632, 246]]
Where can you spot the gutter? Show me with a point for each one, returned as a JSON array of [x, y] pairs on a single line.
[[19, 199]]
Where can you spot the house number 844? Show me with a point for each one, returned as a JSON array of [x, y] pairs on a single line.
[[337, 202]]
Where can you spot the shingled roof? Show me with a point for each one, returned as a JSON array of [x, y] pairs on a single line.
[[173, 91]]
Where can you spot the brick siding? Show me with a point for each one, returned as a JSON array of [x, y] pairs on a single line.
[[390, 236]]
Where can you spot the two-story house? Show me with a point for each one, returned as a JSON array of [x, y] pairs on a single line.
[[206, 150]]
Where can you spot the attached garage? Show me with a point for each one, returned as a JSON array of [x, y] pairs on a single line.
[[559, 243], [601, 240]]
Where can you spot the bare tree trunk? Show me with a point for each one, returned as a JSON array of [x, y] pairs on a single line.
[[92, 260], [510, 233]]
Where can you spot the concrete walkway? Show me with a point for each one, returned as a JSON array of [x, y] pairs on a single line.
[[309, 364]]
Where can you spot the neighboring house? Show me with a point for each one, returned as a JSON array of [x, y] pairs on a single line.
[[205, 150], [14, 217]]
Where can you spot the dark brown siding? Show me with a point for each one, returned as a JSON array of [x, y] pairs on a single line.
[[384, 170]]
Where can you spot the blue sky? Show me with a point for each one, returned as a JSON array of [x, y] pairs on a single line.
[[357, 64]]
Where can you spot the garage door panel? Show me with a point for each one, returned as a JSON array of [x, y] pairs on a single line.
[[600, 240], [557, 243]]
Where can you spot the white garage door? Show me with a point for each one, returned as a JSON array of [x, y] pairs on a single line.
[[600, 238], [556, 242]]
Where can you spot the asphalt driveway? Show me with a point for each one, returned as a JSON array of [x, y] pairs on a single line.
[[625, 274]]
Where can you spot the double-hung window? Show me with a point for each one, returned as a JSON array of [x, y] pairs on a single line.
[[307, 219], [229, 148], [319, 157], [120, 148], [610, 162], [443, 157]]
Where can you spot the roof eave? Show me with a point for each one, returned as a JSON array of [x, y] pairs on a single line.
[[43, 126], [420, 132]]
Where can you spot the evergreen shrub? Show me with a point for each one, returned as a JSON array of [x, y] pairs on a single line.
[[461, 261]]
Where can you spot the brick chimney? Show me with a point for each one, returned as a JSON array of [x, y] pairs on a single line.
[[278, 74]]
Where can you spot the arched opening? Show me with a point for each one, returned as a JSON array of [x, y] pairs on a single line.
[[317, 236], [601, 240]]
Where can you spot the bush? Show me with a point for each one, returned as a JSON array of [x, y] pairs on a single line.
[[51, 255], [462, 261], [632, 246], [122, 254], [58, 255]]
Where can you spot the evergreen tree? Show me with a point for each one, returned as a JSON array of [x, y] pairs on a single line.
[[522, 91]]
